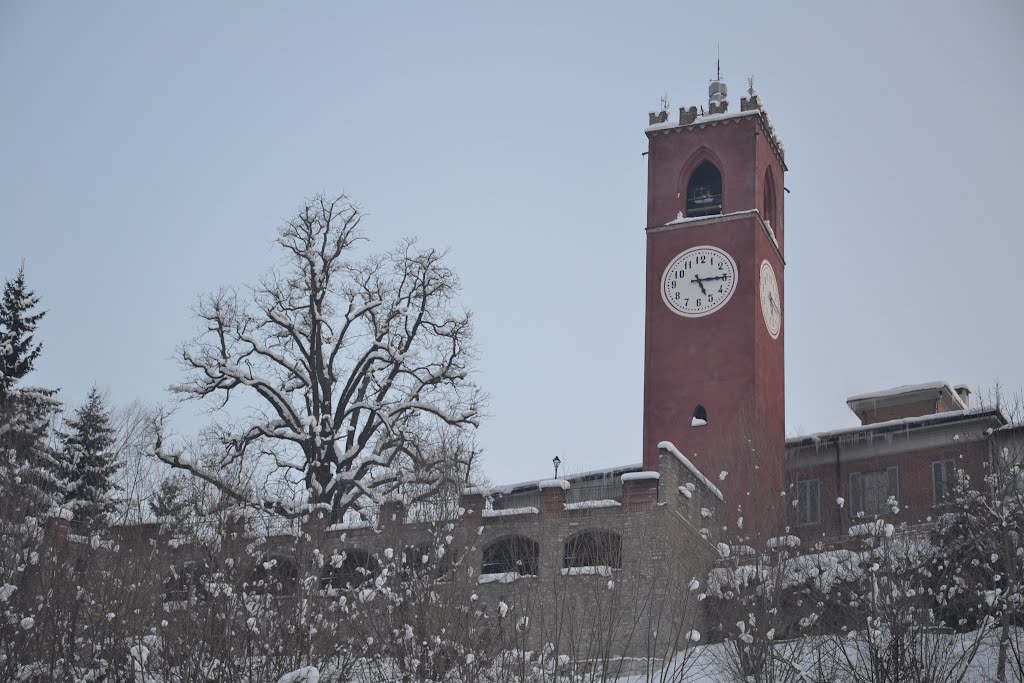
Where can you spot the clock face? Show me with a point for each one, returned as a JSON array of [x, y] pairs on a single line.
[[771, 302], [699, 281]]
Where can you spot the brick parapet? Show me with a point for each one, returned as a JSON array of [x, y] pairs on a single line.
[[552, 501], [639, 491]]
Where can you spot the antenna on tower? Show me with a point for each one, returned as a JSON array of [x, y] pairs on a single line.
[[664, 102], [718, 62], [717, 92], [750, 85]]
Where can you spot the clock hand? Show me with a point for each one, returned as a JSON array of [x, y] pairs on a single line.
[[717, 277], [700, 283]]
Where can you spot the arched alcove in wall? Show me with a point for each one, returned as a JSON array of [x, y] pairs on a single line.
[[517, 554], [704, 191]]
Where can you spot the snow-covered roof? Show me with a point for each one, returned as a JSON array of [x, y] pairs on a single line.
[[906, 389], [902, 423], [706, 118], [609, 472]]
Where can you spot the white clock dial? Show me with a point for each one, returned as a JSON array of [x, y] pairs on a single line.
[[699, 281], [771, 302]]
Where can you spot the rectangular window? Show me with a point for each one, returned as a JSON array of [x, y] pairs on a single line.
[[943, 478], [870, 491], [808, 507]]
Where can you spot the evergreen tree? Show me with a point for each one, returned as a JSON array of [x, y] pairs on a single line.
[[88, 463], [17, 324], [29, 482], [170, 503]]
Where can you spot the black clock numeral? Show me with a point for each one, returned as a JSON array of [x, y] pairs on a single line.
[[686, 301], [720, 290], [720, 265], [698, 303]]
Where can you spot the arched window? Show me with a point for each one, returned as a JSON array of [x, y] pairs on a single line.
[[511, 554], [597, 548], [348, 569], [768, 198], [704, 191], [274, 576], [700, 416]]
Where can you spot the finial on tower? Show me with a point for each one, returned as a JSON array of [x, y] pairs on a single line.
[[664, 102], [718, 102], [753, 101]]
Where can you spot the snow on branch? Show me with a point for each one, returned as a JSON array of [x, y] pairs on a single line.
[[354, 373]]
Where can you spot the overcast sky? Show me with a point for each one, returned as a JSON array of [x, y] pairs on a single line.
[[147, 154]]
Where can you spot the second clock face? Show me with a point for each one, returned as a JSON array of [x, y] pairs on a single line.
[[771, 302], [699, 281]]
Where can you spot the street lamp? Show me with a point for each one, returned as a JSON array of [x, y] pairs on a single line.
[[556, 461]]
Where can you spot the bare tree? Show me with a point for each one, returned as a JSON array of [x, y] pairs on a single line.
[[352, 374]]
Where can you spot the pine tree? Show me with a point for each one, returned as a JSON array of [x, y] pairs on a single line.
[[29, 482], [88, 463], [18, 353], [170, 502]]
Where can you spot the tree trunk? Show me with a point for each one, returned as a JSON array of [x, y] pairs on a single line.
[[1004, 639]]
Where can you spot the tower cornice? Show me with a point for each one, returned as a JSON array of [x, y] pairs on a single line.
[[684, 223], [727, 118]]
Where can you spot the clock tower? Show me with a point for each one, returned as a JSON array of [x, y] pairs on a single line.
[[713, 350]]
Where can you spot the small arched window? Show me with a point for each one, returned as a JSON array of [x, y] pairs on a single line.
[[274, 576], [598, 548], [700, 416], [704, 191], [348, 569], [768, 198], [511, 554]]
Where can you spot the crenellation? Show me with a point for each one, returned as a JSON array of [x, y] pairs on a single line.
[[750, 103], [687, 115], [657, 117]]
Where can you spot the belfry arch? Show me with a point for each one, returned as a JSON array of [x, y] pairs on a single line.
[[704, 191]]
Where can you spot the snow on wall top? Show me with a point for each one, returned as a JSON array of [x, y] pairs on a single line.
[[908, 422], [908, 389], [572, 479], [698, 475], [640, 476], [711, 119], [707, 118]]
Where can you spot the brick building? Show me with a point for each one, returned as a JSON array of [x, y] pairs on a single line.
[[899, 463]]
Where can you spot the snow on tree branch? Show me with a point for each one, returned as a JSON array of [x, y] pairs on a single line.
[[352, 372]]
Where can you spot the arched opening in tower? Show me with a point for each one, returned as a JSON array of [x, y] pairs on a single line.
[[768, 200], [700, 416], [704, 191]]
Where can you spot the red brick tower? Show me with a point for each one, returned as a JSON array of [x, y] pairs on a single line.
[[713, 360]]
